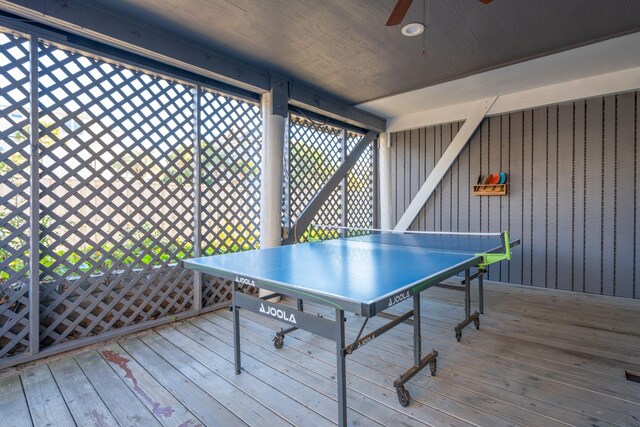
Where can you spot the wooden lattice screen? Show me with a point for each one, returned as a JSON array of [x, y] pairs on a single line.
[[116, 184], [230, 175], [360, 187], [116, 155], [116, 192], [315, 151], [14, 194]]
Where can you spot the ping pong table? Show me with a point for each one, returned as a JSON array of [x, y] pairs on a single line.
[[363, 274]]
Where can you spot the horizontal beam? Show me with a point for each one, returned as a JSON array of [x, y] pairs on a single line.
[[436, 116], [312, 100], [92, 47], [106, 26], [320, 118], [309, 212], [589, 87]]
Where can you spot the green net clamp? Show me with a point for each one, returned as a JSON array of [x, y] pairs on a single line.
[[488, 259]]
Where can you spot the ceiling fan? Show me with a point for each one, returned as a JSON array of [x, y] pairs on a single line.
[[400, 10]]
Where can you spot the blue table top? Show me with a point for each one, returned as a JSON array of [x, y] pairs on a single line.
[[347, 273]]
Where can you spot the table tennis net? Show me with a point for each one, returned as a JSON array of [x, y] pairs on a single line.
[[475, 243]]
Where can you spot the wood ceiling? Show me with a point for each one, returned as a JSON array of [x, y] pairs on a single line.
[[344, 48]]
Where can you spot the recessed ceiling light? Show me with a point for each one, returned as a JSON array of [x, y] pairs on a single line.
[[413, 29]]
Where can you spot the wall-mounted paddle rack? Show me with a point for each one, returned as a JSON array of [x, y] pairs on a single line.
[[495, 184]]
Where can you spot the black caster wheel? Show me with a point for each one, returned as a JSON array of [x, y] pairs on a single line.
[[476, 322], [278, 342], [458, 336], [403, 396]]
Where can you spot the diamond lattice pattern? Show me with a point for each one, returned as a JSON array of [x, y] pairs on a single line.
[[14, 194], [116, 195], [230, 164], [360, 186], [315, 153]]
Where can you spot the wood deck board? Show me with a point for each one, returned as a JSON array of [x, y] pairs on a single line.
[[84, 403], [123, 403], [571, 337], [290, 410], [601, 360], [208, 410], [379, 385], [616, 386], [46, 404], [324, 381], [234, 399], [383, 373], [564, 306], [541, 358], [391, 361], [312, 391], [13, 403], [583, 399], [162, 404], [441, 316]]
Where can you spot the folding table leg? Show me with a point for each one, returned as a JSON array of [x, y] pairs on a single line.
[[419, 362], [236, 329], [468, 317], [481, 293], [467, 294], [342, 370], [417, 338]]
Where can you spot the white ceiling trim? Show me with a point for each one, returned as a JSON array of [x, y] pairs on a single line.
[[569, 67], [604, 84]]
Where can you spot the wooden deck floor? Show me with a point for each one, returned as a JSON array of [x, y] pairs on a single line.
[[541, 358]]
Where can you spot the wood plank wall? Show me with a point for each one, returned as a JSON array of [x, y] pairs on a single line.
[[573, 179]]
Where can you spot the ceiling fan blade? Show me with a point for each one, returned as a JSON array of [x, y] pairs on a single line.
[[486, 1], [398, 13]]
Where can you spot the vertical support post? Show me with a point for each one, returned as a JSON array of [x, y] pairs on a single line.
[[417, 333], [384, 165], [197, 199], [271, 168], [286, 182], [34, 207], [236, 329], [375, 199], [343, 185], [341, 376]]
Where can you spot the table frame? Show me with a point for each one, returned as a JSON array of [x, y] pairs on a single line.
[[297, 318]]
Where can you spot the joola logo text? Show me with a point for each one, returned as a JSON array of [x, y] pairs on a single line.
[[245, 281], [277, 313], [401, 297], [368, 340]]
